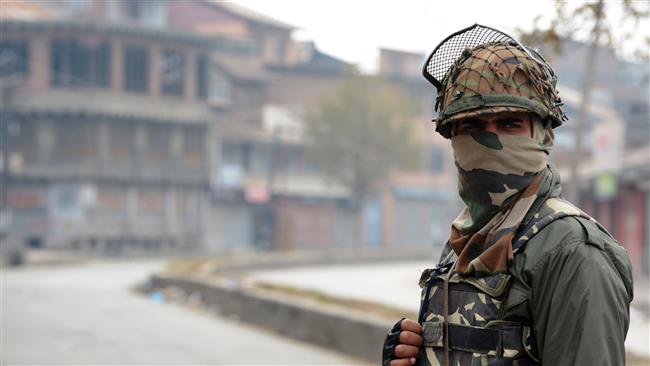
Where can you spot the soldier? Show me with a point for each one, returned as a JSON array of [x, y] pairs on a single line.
[[525, 278]]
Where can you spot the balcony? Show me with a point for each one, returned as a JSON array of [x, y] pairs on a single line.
[[98, 103], [119, 171]]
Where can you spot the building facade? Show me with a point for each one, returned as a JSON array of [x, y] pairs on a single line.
[[138, 125], [108, 134]]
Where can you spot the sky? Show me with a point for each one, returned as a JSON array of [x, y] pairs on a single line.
[[354, 30]]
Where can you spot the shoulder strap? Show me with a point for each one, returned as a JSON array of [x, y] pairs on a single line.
[[552, 209]]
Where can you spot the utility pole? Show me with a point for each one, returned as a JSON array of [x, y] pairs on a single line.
[[573, 191], [266, 214], [9, 81]]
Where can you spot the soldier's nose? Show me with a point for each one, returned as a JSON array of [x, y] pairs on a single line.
[[490, 127]]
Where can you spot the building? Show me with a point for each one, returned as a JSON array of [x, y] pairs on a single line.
[[110, 131], [145, 125], [113, 113], [614, 178], [418, 205], [266, 193]]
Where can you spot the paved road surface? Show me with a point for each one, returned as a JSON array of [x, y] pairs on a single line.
[[86, 314]]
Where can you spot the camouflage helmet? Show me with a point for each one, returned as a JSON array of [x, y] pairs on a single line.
[[494, 75]]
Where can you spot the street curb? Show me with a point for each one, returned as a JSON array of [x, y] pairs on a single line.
[[327, 327]]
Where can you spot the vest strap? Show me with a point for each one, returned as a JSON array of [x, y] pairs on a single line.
[[491, 341]]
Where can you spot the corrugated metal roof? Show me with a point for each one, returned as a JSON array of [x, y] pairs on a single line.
[[25, 11], [318, 63], [127, 105], [131, 29], [241, 67], [249, 14]]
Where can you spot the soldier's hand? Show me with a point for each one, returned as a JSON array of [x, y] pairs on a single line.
[[410, 341]]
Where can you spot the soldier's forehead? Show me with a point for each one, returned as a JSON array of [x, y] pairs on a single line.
[[497, 115]]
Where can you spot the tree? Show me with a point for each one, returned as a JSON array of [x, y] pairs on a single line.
[[359, 134], [594, 21], [591, 18]]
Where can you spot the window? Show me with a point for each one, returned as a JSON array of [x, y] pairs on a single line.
[[219, 88], [280, 50], [110, 199], [79, 65], [150, 201], [638, 108], [298, 162], [172, 73], [237, 154], [437, 160], [13, 58], [133, 9], [193, 147], [158, 140], [212, 84], [149, 12], [75, 141], [246, 150], [202, 76], [122, 142], [103, 65], [24, 140], [136, 66], [275, 48]]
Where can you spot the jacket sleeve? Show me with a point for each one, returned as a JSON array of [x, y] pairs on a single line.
[[580, 301]]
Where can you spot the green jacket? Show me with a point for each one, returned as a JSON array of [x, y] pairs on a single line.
[[573, 284]]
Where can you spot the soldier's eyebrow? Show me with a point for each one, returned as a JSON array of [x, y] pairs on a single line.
[[509, 120], [470, 121], [465, 123]]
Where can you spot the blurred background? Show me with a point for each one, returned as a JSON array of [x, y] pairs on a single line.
[[135, 133]]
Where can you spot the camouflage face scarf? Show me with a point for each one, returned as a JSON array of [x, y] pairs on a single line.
[[500, 177]]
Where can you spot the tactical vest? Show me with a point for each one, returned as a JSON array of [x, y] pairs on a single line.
[[477, 335], [476, 332]]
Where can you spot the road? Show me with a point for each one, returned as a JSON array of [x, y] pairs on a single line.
[[87, 314]]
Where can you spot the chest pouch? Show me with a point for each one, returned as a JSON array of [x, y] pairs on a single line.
[[477, 335]]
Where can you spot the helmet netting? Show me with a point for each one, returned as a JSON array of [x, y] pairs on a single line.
[[498, 68]]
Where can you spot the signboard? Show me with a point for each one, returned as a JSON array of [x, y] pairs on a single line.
[[230, 176], [606, 186], [257, 194], [608, 144], [27, 198], [70, 201]]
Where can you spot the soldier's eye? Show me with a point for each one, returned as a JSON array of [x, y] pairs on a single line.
[[511, 124], [468, 126]]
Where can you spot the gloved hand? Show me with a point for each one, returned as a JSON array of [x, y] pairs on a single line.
[[402, 344]]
